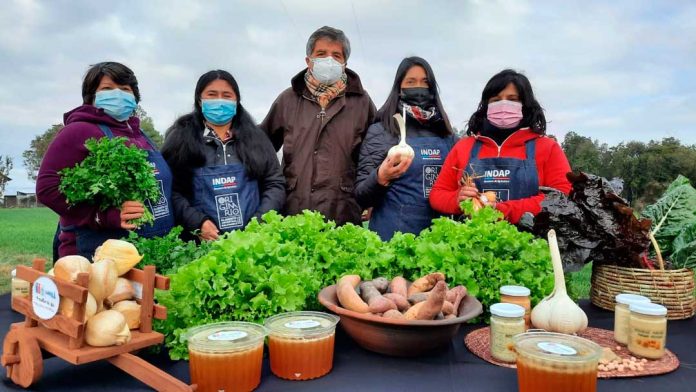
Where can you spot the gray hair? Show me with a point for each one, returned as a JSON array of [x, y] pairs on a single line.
[[331, 34]]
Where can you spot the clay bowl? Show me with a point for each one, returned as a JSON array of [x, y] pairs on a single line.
[[401, 338]]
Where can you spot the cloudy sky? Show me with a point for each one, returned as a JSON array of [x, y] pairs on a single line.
[[614, 71]]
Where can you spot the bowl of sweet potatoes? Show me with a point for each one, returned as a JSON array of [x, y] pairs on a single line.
[[397, 317]]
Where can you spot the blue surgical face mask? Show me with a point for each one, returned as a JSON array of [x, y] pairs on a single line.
[[118, 104], [218, 111]]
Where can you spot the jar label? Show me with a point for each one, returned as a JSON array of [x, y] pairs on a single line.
[[557, 348], [227, 335], [45, 299], [302, 324]]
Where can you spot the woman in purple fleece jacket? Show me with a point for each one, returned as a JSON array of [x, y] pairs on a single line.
[[110, 95]]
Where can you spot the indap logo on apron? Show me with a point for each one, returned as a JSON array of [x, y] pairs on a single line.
[[430, 154], [224, 183], [497, 177], [430, 173]]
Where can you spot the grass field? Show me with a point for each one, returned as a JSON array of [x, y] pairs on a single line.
[[25, 233], [28, 232]]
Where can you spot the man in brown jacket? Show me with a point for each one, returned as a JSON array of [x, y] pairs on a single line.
[[320, 122]]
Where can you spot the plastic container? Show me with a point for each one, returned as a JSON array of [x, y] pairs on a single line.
[[648, 330], [548, 361], [507, 320], [621, 315], [20, 288], [226, 356], [518, 295], [301, 344]]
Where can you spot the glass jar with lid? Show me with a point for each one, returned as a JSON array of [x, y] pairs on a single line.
[[622, 313], [518, 295], [507, 320], [648, 330]]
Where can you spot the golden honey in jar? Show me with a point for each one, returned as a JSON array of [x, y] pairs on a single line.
[[226, 356], [548, 361], [648, 330], [621, 315], [301, 344], [518, 295], [507, 320]]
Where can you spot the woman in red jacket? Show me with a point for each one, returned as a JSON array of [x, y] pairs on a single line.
[[506, 152]]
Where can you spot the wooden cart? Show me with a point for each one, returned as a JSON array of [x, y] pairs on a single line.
[[65, 337]]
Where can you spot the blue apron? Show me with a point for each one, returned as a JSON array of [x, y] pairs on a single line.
[[226, 194], [405, 206], [509, 178], [87, 240]]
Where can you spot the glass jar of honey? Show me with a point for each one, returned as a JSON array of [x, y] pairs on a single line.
[[301, 344], [226, 356], [548, 361], [648, 330], [518, 295], [507, 320], [621, 315]]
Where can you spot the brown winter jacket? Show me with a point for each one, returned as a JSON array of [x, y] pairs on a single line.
[[320, 152]]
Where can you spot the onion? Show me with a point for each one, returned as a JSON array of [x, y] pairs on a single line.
[[123, 291], [123, 253], [131, 311], [107, 328], [67, 307], [102, 279], [68, 267]]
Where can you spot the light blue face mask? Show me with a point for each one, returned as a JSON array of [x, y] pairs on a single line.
[[218, 111], [118, 104]]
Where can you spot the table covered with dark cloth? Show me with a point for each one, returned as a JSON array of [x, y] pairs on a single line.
[[355, 369]]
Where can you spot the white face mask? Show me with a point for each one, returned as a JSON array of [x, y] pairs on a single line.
[[326, 70]]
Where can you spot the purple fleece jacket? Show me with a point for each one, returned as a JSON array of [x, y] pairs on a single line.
[[66, 150]]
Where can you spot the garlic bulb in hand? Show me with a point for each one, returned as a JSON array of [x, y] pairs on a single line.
[[557, 312], [401, 150]]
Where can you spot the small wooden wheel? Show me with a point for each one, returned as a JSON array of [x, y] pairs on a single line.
[[22, 357]]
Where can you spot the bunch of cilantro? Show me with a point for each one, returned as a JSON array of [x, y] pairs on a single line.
[[169, 252], [111, 174]]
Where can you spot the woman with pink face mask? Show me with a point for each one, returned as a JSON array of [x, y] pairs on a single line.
[[506, 152]]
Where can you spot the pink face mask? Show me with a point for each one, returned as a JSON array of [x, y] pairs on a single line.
[[505, 114]]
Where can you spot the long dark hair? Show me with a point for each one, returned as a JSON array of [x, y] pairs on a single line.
[[532, 112], [183, 144], [390, 107]]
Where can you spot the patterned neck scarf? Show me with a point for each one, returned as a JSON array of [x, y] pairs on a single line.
[[423, 116], [325, 93]]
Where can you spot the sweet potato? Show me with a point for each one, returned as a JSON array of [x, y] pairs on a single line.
[[425, 283], [447, 308], [428, 309], [381, 284], [455, 295], [450, 316], [375, 301], [399, 285], [347, 297], [393, 314], [400, 301], [417, 297]]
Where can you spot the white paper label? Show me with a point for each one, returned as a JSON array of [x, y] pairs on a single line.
[[227, 335], [137, 288], [44, 298], [557, 348], [302, 324]]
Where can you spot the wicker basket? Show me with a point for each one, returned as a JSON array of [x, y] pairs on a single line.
[[672, 288]]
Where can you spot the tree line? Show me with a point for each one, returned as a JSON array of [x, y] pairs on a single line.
[[645, 168]]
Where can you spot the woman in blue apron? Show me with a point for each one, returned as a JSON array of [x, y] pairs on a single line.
[[225, 169], [110, 94], [397, 189], [506, 152]]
